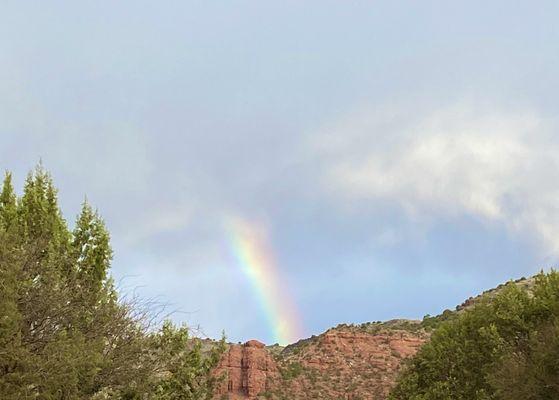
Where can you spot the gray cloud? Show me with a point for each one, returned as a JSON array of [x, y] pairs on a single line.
[[472, 158], [355, 131]]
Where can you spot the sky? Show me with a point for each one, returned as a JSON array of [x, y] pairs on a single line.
[[391, 158]]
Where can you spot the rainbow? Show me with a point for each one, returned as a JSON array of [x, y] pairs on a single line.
[[255, 259]]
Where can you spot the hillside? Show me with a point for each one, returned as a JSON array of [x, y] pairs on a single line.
[[502, 345], [345, 362], [348, 361]]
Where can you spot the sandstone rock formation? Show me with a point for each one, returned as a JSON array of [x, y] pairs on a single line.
[[346, 362], [247, 371]]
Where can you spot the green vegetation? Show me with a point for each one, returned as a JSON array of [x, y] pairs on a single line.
[[506, 346], [386, 326], [430, 323], [291, 370], [64, 333]]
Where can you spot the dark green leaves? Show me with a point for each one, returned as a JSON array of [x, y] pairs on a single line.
[[505, 347], [63, 332]]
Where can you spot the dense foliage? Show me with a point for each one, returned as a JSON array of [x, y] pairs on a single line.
[[64, 333], [505, 347]]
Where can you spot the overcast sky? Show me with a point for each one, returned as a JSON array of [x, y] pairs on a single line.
[[401, 155]]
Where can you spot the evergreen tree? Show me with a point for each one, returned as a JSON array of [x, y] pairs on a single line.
[[8, 203], [506, 347], [64, 334]]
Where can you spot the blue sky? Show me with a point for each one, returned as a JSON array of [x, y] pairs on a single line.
[[403, 155]]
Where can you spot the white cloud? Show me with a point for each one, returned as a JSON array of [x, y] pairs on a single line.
[[499, 165]]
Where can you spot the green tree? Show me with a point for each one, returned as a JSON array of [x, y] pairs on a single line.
[[8, 203], [93, 253], [64, 333], [482, 352], [186, 372]]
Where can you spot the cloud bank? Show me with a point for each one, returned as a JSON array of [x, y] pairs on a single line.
[[499, 165]]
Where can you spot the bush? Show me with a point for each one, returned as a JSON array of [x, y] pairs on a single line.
[[505, 347]]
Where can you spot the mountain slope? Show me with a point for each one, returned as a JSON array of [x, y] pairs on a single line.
[[353, 362], [348, 361]]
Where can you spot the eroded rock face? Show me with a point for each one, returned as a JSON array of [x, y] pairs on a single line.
[[348, 364], [247, 369], [343, 363]]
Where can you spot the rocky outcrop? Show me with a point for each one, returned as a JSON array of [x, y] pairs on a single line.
[[246, 371], [347, 362]]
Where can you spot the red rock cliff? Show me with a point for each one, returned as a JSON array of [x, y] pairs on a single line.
[[248, 369], [348, 362]]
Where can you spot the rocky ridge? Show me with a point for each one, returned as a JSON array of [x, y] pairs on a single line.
[[349, 362], [345, 362]]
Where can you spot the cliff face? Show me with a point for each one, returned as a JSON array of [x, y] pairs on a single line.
[[346, 362], [247, 371]]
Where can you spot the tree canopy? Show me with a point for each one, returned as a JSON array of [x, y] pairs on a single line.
[[505, 347], [64, 332]]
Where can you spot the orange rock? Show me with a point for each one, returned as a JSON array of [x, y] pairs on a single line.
[[247, 369], [342, 363]]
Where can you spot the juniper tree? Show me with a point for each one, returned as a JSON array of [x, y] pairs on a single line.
[[64, 333], [505, 348]]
